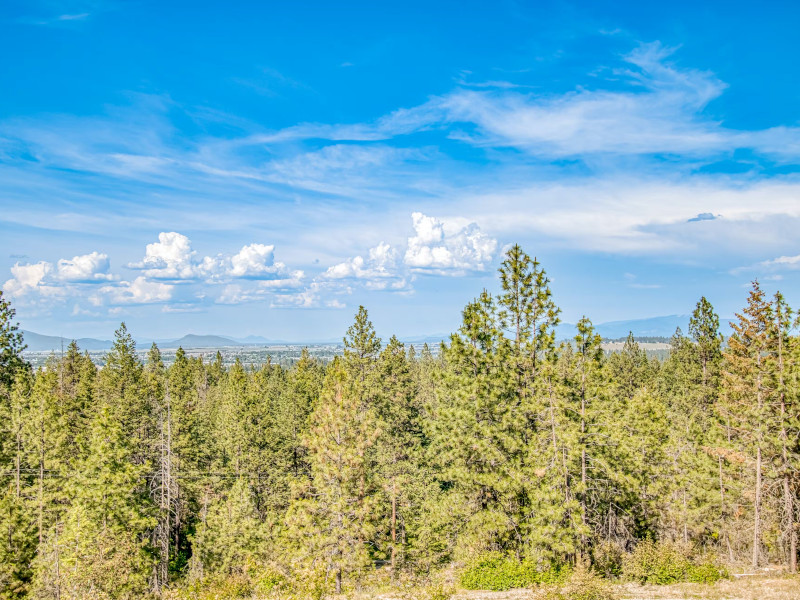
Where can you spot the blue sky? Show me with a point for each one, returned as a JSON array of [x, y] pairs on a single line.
[[264, 168]]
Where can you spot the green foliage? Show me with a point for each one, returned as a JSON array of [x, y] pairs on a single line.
[[202, 481], [607, 558], [582, 584], [663, 563], [17, 545], [11, 346], [101, 549], [498, 572], [333, 514], [216, 587]]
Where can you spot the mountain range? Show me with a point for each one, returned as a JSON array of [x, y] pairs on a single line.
[[652, 327]]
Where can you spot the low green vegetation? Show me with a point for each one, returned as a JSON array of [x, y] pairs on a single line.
[[507, 452], [496, 571], [664, 563]]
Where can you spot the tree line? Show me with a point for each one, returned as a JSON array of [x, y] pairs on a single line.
[[135, 478]]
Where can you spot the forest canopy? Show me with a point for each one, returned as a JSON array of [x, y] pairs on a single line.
[[138, 478]]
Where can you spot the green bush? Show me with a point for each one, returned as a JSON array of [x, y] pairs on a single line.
[[706, 572], [268, 580], [666, 562], [498, 572]]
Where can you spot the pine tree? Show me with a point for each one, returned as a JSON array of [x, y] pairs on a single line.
[[11, 347], [18, 544], [704, 329], [787, 421], [101, 548], [476, 441], [230, 539], [120, 388], [398, 449], [330, 523], [589, 397], [688, 385], [748, 387], [18, 523]]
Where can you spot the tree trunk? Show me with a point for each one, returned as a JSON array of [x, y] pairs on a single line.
[[394, 528], [685, 519], [787, 488], [583, 467], [757, 516], [789, 508]]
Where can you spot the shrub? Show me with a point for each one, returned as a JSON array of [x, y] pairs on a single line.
[[607, 559], [212, 588], [437, 591], [666, 562], [498, 572], [582, 584], [706, 572]]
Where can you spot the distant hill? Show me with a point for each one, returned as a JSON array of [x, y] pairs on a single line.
[[259, 340], [45, 343], [50, 343], [654, 327], [201, 341]]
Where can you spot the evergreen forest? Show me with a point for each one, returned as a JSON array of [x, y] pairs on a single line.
[[503, 449]]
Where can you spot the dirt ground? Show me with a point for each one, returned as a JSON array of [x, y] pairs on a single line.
[[741, 588]]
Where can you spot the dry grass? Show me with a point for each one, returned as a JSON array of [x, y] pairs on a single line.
[[744, 588], [768, 587]]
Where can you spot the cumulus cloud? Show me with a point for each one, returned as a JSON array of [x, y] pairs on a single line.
[[168, 262], [447, 250], [27, 278], [171, 257], [45, 279], [138, 291], [87, 268], [255, 261], [381, 263]]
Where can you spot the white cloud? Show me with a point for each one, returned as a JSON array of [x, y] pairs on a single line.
[[255, 261], [44, 279], [629, 215], [381, 262], [447, 250], [660, 112], [240, 293], [138, 291], [791, 262], [782, 262], [171, 257], [27, 278], [86, 268], [314, 296]]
